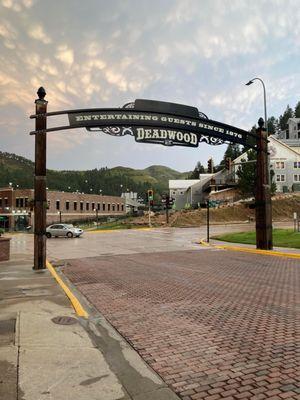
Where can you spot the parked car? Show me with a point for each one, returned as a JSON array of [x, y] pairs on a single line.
[[67, 230]]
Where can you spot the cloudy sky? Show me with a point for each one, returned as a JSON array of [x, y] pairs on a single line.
[[98, 53]]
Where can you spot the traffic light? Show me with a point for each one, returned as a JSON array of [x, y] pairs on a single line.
[[228, 163], [168, 202], [151, 203], [150, 195], [210, 166]]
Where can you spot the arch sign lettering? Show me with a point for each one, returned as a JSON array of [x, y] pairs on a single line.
[[148, 121], [159, 122]]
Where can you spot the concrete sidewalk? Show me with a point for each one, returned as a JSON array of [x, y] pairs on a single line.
[[43, 360]]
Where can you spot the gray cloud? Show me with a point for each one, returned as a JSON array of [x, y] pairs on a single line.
[[99, 54]]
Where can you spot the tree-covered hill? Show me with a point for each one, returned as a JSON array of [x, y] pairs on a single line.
[[19, 171]]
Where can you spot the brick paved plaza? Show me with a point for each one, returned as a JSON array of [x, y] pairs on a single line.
[[214, 324]]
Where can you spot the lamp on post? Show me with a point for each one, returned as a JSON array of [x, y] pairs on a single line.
[[265, 99]]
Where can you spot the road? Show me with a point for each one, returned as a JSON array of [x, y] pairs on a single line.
[[212, 323]]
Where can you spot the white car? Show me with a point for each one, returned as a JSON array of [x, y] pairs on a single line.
[[67, 230]]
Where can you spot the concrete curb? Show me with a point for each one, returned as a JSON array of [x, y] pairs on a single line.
[[80, 311], [253, 251]]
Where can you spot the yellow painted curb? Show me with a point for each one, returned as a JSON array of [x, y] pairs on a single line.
[[117, 230], [253, 251], [80, 311]]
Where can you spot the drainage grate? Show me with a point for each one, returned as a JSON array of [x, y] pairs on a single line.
[[62, 320]]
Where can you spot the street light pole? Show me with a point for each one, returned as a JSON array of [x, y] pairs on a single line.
[[265, 99]]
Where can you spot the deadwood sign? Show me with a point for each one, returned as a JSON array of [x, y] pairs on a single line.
[[148, 121], [159, 122]]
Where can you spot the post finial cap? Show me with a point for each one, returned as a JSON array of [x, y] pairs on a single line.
[[41, 93], [261, 122]]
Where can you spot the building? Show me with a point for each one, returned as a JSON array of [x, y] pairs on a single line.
[[222, 186], [178, 191], [16, 207], [133, 203], [291, 135], [285, 162]]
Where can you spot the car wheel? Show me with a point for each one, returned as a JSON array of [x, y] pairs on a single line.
[[70, 234], [48, 234]]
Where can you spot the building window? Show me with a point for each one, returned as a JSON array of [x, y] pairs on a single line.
[[87, 206], [98, 206], [279, 164], [21, 202], [17, 202], [296, 164], [122, 207], [26, 201], [297, 178], [118, 207], [5, 202], [57, 204], [81, 206], [113, 207], [75, 205], [0, 202], [103, 206], [287, 134], [93, 206], [108, 207], [67, 205], [280, 178]]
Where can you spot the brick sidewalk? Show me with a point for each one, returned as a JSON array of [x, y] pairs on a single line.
[[213, 324]]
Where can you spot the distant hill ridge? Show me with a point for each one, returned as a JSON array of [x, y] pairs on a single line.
[[19, 170]]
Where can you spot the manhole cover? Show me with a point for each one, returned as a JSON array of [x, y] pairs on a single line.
[[64, 320]]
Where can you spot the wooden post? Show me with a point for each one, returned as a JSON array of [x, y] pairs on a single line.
[[263, 206], [207, 220], [40, 194]]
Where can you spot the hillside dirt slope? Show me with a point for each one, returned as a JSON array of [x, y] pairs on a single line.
[[283, 207]]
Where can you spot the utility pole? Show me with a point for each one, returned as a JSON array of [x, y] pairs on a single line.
[[40, 194], [263, 206]]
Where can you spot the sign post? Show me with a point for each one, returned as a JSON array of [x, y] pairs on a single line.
[[150, 201], [40, 194], [207, 219]]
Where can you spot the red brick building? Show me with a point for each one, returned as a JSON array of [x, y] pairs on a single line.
[[16, 207]]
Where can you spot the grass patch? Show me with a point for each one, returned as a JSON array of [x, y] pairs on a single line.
[[117, 225], [281, 238]]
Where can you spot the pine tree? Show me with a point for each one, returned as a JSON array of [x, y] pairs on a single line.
[[272, 125], [297, 110], [283, 119], [199, 169]]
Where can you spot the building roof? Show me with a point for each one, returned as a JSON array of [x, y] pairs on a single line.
[[182, 183]]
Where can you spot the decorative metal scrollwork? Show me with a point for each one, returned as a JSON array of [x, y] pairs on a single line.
[[211, 140], [129, 105], [202, 115], [117, 131]]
